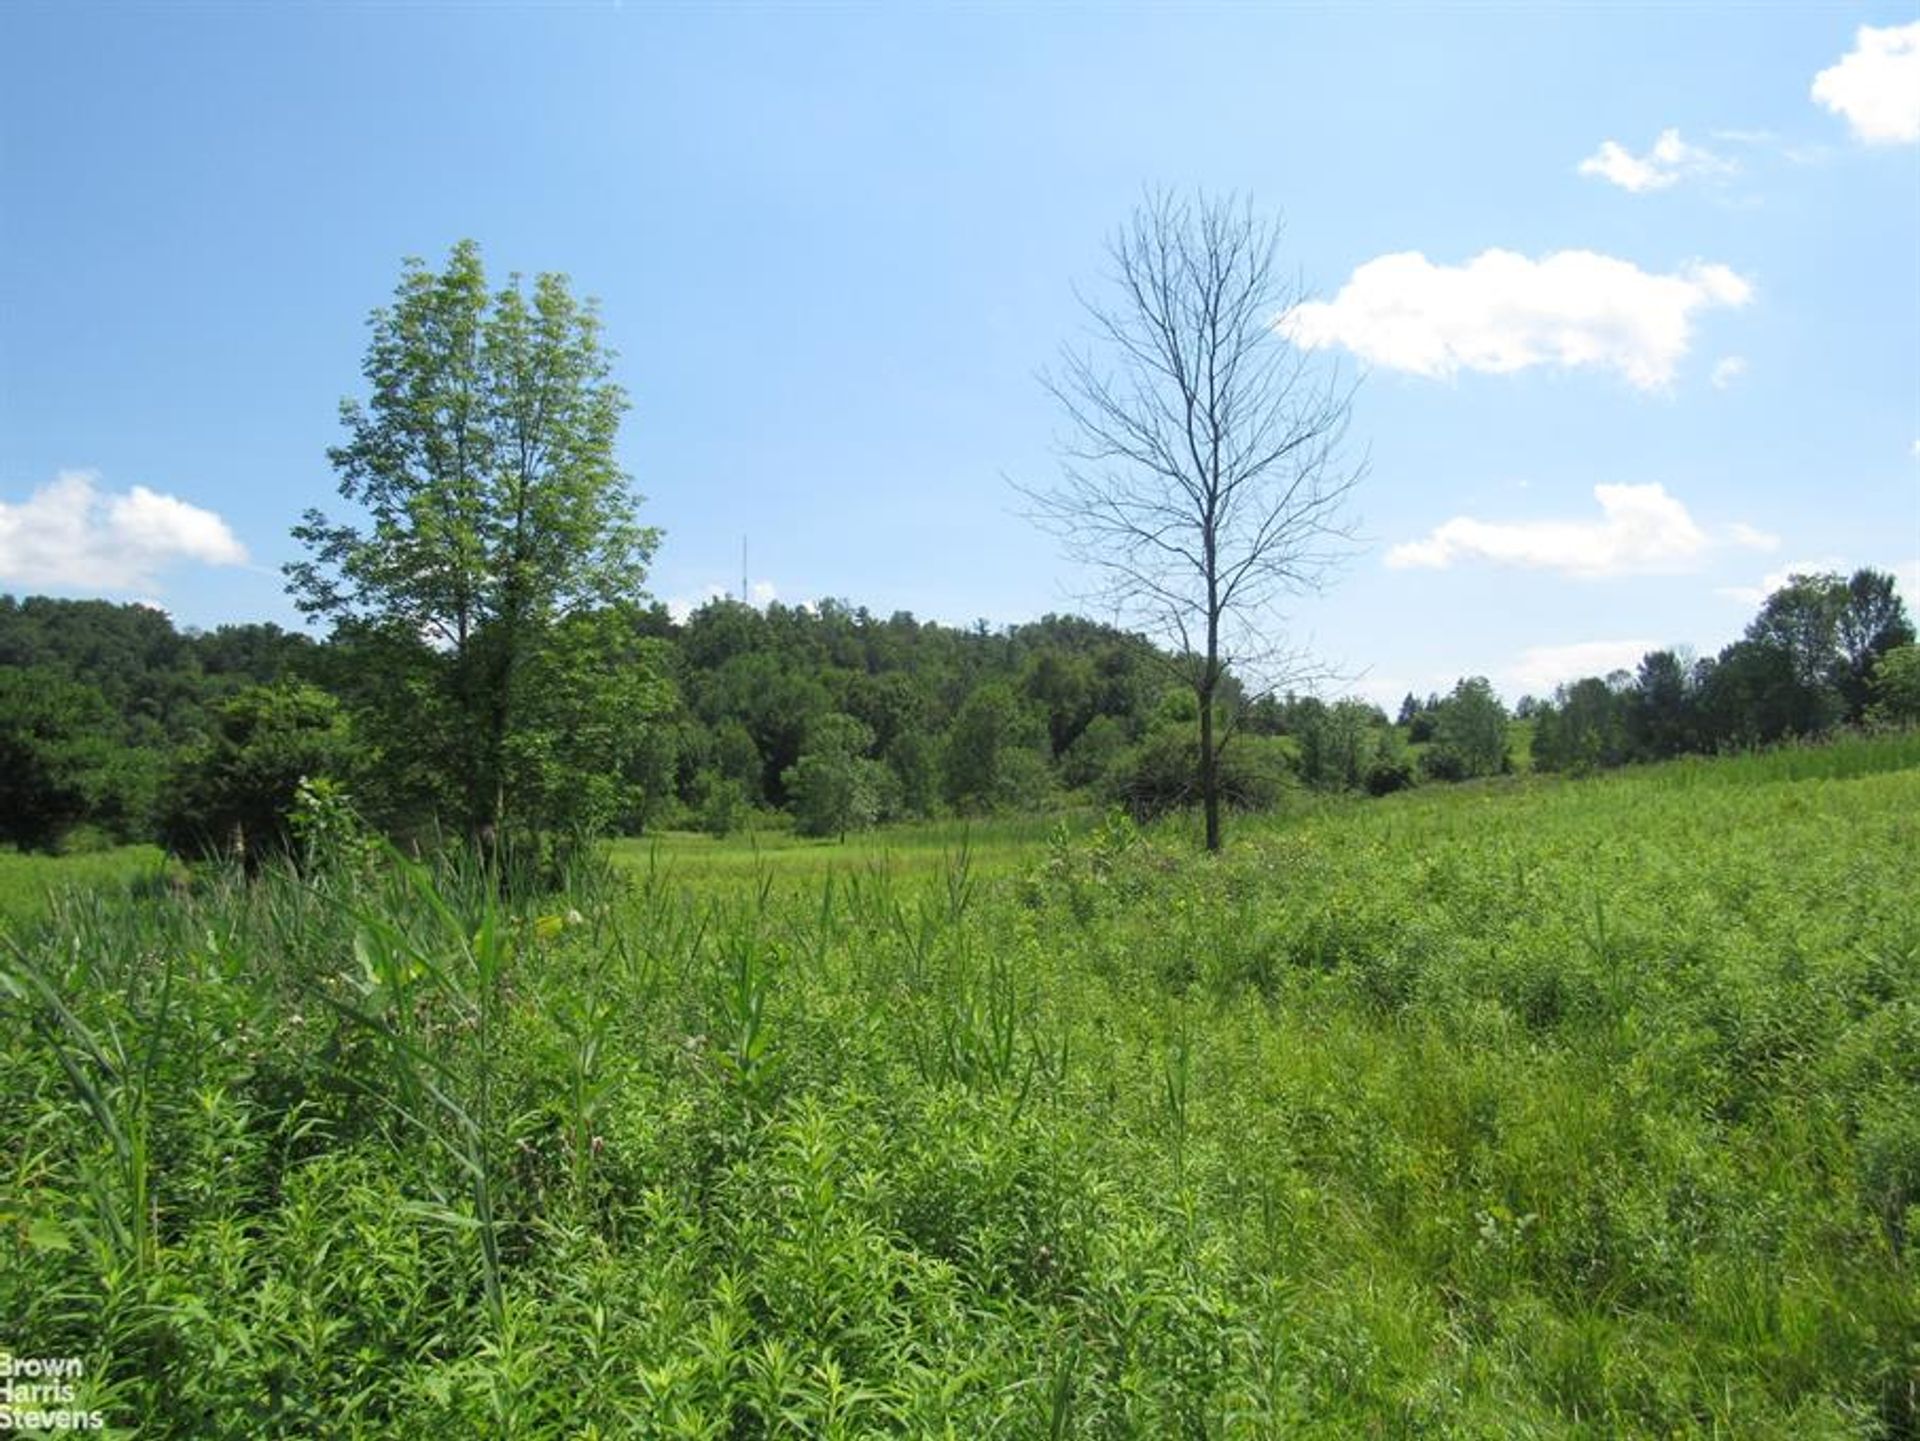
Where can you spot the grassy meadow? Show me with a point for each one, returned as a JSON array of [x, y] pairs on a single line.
[[1525, 1108], [28, 882], [907, 850]]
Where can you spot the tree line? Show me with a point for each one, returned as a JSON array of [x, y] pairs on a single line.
[[117, 726], [114, 722], [1825, 651], [492, 669]]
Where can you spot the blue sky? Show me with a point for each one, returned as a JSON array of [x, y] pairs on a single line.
[[1635, 291]]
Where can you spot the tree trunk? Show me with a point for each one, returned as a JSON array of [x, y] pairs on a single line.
[[1209, 683], [1209, 769]]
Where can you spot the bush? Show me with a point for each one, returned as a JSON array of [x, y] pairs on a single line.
[[1385, 776], [1162, 773], [238, 791], [723, 804]]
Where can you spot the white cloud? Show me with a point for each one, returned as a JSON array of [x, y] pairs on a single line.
[[1503, 312], [70, 535], [1640, 528], [1727, 370], [1876, 85], [760, 594], [1906, 575], [1669, 162], [1748, 538], [1774, 579], [1540, 668]]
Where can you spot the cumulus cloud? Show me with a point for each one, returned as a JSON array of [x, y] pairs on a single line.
[[760, 594], [1503, 312], [1906, 575], [1728, 370], [71, 535], [1748, 538], [1640, 528], [1876, 85], [1774, 579], [1540, 668], [1669, 162]]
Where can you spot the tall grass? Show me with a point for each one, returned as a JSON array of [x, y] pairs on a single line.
[[1544, 1109]]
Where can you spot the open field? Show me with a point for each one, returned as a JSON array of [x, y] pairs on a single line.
[[991, 847], [1523, 1109], [26, 881]]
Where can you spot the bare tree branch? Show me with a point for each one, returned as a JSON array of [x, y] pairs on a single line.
[[1204, 476]]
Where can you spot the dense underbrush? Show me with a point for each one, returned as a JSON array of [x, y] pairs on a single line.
[[1577, 1109]]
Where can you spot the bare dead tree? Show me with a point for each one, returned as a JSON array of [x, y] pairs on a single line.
[[1204, 477]]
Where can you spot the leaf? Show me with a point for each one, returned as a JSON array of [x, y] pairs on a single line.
[[46, 1234]]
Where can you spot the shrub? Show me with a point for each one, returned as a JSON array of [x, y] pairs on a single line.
[[238, 791]]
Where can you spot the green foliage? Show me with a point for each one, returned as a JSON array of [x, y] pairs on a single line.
[[1094, 751], [1584, 729], [154, 679], [1392, 767], [1162, 773], [1872, 622], [236, 794], [1896, 686], [28, 882], [723, 804], [499, 540], [834, 788], [629, 709], [1342, 744], [595, 698], [1553, 1109], [1469, 734], [59, 765], [990, 762]]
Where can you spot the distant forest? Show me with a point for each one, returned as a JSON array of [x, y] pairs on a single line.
[[115, 726]]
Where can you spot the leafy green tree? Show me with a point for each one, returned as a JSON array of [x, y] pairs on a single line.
[[1162, 773], [58, 757], [1094, 751], [1469, 733], [1801, 620], [913, 757], [237, 792], [723, 804], [834, 788], [1896, 687], [1338, 743], [593, 694], [652, 777], [1752, 695], [1584, 729], [493, 511], [1391, 768], [147, 671], [738, 758], [989, 730], [1062, 686], [1662, 708], [1873, 621], [775, 695]]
